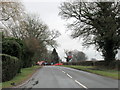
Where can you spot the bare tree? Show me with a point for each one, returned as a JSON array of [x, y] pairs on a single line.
[[79, 55], [68, 55], [34, 28], [98, 23], [75, 55], [11, 14]]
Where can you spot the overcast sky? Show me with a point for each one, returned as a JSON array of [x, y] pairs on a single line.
[[48, 11]]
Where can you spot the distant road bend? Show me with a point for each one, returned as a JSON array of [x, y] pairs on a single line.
[[63, 77]]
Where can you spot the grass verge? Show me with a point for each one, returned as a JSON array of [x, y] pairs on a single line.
[[0, 86], [25, 74], [104, 72]]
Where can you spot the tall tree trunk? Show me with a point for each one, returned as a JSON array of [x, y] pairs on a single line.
[[109, 53]]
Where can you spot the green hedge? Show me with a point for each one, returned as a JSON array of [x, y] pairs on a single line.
[[18, 48], [83, 63], [10, 67], [0, 69], [112, 65], [11, 47]]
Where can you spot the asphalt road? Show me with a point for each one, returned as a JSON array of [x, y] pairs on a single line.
[[63, 77]]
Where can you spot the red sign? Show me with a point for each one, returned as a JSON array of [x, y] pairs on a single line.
[[69, 56]]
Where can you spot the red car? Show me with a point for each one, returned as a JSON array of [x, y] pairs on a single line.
[[57, 64]]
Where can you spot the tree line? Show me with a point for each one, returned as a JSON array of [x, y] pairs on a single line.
[[75, 56], [25, 38]]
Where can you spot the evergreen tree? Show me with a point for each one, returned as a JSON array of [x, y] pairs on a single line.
[[55, 57]]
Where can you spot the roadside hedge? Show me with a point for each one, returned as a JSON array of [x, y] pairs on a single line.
[[18, 48], [10, 67], [83, 63], [11, 47], [113, 65], [0, 69]]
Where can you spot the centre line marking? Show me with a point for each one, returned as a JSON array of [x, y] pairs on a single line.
[[69, 76], [63, 71], [81, 84]]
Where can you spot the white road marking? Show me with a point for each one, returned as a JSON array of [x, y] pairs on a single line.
[[63, 71], [69, 75], [81, 84], [75, 80]]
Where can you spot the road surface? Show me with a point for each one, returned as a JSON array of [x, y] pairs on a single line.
[[63, 77]]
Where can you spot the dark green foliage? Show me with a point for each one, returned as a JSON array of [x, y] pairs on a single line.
[[115, 64], [10, 67], [55, 57], [26, 54], [27, 59], [11, 47], [0, 69], [19, 49]]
